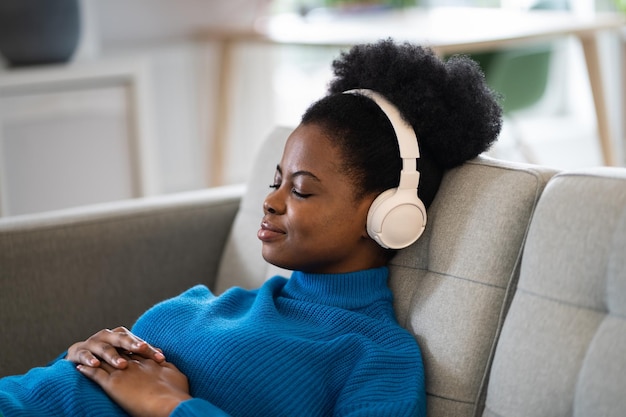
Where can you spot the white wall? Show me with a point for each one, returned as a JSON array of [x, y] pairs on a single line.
[[184, 80]]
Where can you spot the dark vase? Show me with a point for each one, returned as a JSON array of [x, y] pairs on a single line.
[[36, 32]]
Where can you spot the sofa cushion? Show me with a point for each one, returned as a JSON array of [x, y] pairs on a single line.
[[453, 286], [242, 264], [562, 351]]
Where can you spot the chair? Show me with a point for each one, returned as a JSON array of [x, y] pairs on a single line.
[[521, 75]]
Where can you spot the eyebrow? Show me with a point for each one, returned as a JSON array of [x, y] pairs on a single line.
[[301, 173]]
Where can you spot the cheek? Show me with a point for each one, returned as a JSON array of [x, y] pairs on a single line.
[[346, 227], [313, 229], [312, 226], [327, 224]]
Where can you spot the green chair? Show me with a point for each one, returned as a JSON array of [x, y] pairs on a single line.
[[520, 74]]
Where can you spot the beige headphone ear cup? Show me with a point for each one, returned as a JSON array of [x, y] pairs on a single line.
[[396, 218]]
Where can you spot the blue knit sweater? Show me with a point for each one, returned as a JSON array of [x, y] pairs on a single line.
[[313, 345]]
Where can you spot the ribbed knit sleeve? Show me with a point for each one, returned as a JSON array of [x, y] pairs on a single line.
[[197, 408], [55, 390]]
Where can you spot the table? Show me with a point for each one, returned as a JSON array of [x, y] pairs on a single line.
[[448, 30]]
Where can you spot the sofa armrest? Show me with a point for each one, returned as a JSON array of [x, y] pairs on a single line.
[[65, 275]]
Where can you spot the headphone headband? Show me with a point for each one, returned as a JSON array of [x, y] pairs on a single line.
[[407, 140], [397, 216]]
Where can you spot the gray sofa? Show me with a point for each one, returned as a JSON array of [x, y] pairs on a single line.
[[516, 292]]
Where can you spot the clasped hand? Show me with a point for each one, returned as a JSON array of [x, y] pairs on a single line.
[[132, 372]]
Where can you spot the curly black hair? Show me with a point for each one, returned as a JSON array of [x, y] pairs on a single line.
[[455, 115]]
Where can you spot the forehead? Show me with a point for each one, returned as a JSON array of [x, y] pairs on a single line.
[[308, 149]]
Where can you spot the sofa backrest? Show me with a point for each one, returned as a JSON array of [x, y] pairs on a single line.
[[451, 287], [562, 350], [66, 274]]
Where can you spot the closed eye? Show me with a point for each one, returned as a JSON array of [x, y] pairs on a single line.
[[299, 195], [295, 192]]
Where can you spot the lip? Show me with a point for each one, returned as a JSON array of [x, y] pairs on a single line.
[[269, 232]]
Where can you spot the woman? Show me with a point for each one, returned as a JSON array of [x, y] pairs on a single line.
[[324, 342]]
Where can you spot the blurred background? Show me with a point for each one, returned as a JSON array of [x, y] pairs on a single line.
[[102, 100]]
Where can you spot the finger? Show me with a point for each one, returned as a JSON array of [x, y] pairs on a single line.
[[108, 368], [85, 357], [109, 354], [131, 358], [97, 348], [77, 354], [107, 344], [145, 350], [134, 344], [98, 375]]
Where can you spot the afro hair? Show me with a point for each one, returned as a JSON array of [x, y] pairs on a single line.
[[455, 115]]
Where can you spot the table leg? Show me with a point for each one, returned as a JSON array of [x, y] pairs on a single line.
[[623, 81], [594, 70], [217, 144]]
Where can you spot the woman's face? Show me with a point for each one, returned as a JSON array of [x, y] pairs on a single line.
[[313, 222]]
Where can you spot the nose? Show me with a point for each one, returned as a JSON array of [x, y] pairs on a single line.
[[273, 203], [267, 208]]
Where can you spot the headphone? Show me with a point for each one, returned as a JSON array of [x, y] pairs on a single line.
[[397, 217]]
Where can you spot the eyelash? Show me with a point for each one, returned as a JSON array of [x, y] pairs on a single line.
[[293, 190]]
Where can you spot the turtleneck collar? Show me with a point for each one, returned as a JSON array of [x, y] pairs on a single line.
[[350, 290]]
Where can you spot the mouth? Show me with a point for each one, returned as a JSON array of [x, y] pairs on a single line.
[[269, 232]]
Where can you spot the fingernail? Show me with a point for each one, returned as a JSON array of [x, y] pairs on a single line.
[[159, 356]]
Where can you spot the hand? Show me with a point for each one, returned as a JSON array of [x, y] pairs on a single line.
[[144, 387], [106, 346]]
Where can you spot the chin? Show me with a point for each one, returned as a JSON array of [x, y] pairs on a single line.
[[274, 261]]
